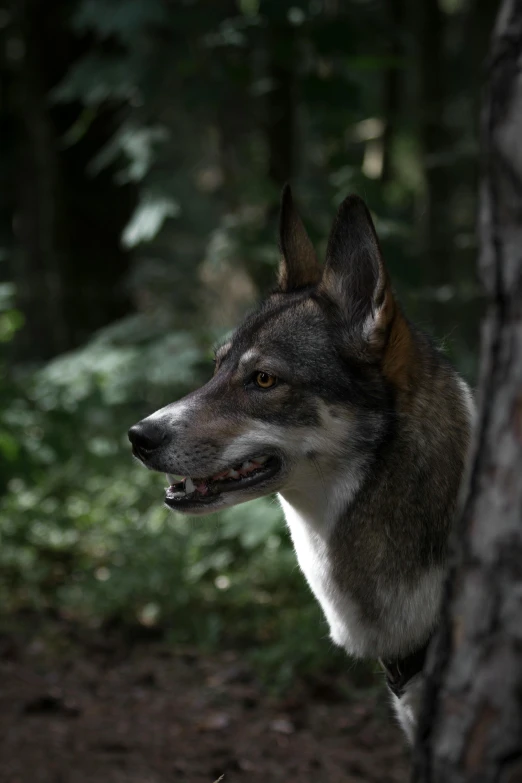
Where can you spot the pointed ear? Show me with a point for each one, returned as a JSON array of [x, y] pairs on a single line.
[[355, 276], [299, 265]]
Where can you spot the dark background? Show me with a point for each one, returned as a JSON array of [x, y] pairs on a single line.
[[144, 144]]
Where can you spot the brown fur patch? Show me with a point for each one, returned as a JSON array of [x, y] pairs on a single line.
[[398, 364], [392, 335]]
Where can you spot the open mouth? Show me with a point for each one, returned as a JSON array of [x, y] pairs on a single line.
[[189, 491]]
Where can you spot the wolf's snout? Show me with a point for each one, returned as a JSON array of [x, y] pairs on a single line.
[[146, 436]]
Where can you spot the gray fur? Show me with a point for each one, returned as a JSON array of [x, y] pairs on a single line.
[[369, 427]]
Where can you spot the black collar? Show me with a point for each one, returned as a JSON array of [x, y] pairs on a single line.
[[399, 671]]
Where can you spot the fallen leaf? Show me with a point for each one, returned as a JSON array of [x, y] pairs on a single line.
[[282, 726], [217, 721]]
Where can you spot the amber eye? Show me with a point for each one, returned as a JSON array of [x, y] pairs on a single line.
[[264, 380]]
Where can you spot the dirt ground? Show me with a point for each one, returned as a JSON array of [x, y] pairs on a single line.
[[149, 714]]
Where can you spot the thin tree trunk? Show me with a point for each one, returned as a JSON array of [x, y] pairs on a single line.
[[392, 86], [434, 139], [471, 729], [281, 109], [279, 128], [37, 267], [67, 263]]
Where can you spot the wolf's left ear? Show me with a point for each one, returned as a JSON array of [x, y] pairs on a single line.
[[299, 265], [355, 276]]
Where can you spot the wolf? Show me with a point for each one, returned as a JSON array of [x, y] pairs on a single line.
[[328, 396]]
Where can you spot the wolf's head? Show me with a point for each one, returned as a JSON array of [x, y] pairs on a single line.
[[304, 388]]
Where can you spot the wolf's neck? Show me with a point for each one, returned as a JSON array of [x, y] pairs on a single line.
[[370, 539], [317, 518], [312, 506], [317, 497]]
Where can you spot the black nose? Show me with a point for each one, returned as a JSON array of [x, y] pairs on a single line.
[[145, 437]]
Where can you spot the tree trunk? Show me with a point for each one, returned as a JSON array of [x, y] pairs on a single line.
[[68, 266], [279, 129], [392, 86], [38, 187], [434, 139], [471, 728], [281, 106]]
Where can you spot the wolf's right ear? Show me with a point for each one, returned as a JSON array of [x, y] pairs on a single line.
[[299, 265], [354, 275]]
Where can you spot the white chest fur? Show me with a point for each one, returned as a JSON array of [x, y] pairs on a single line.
[[406, 616], [311, 547], [408, 705]]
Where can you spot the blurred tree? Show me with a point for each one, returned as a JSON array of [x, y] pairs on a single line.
[[66, 259], [172, 122], [472, 723]]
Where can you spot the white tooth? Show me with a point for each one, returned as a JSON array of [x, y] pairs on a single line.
[[176, 493], [247, 466], [189, 486], [261, 460], [233, 474]]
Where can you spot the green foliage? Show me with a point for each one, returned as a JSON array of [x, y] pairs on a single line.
[[191, 115], [84, 534]]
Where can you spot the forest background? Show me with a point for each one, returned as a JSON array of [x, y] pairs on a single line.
[[144, 145]]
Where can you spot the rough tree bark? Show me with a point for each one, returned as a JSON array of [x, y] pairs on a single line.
[[471, 729]]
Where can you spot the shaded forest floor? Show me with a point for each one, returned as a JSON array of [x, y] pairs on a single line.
[[107, 712]]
